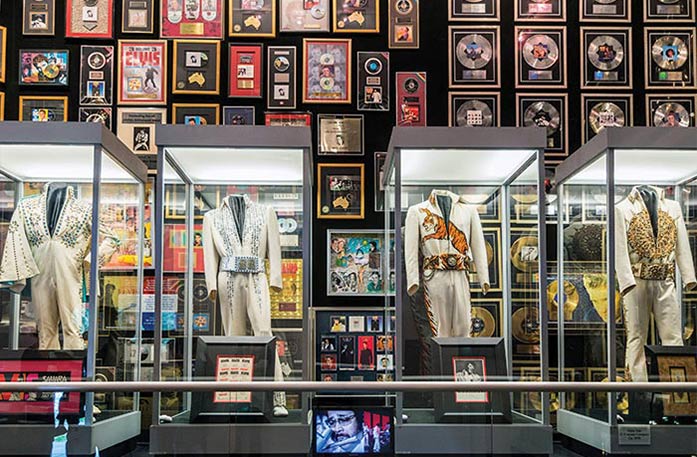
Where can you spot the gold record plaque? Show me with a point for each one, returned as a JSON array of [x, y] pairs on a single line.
[[605, 111], [548, 111], [404, 32], [605, 10], [340, 134], [483, 323], [669, 10], [540, 10], [607, 61], [670, 60], [288, 302], [474, 60], [254, 18], [473, 10], [670, 111], [196, 67], [541, 57], [38, 17], [474, 109], [304, 15], [137, 16]]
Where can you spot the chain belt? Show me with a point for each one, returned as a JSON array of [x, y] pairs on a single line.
[[653, 271], [452, 262], [242, 264]]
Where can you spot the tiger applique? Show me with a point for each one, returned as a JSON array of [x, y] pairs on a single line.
[[435, 223]]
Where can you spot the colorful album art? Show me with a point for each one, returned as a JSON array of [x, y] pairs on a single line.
[[96, 75], [89, 18], [103, 115], [255, 18], [356, 16], [288, 302], [137, 16], [172, 292], [119, 300], [122, 216], [326, 71], [304, 15], [142, 72], [196, 67], [246, 70], [238, 115], [288, 119], [46, 67], [192, 18], [38, 17], [196, 114], [43, 108], [3, 52], [341, 193], [176, 248], [136, 128]]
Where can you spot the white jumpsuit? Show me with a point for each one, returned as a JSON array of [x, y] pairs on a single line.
[[55, 264], [448, 248], [244, 295], [645, 268]]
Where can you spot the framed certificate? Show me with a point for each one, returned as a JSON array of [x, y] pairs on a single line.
[[604, 111], [549, 111], [142, 72], [96, 75], [89, 18], [340, 134], [196, 67], [474, 109], [304, 15], [467, 10], [607, 60], [137, 16], [541, 57], [252, 18], [340, 191], [43, 108], [136, 128], [38, 17], [669, 10], [351, 16], [326, 71], [670, 58], [669, 110], [474, 56], [191, 19], [246, 67], [540, 10], [605, 10], [404, 28]]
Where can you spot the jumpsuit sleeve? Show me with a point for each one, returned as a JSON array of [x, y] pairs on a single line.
[[211, 259], [18, 263], [683, 256], [411, 250], [109, 244], [623, 267], [273, 238], [478, 246]]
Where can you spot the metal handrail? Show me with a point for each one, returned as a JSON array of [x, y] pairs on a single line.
[[315, 386]]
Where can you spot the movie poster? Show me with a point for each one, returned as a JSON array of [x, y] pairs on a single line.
[[142, 72]]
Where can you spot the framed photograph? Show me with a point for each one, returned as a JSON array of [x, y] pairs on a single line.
[[366, 353], [328, 343], [38, 17], [541, 57], [328, 362], [355, 263], [411, 99], [604, 11], [43, 108], [196, 67], [607, 63], [352, 16], [340, 134], [540, 10], [384, 343], [89, 19], [347, 353], [466, 10], [340, 192], [252, 18], [303, 119], [304, 15], [338, 324], [357, 324], [136, 128], [96, 75], [179, 19], [246, 70], [43, 67], [328, 377], [142, 72], [238, 115], [326, 71], [474, 109], [2, 106], [470, 369], [137, 16], [474, 56], [670, 58], [3, 52], [375, 323], [601, 111], [282, 68], [96, 114], [670, 110], [669, 10], [674, 364], [548, 111], [373, 81], [404, 24], [196, 113], [486, 318]]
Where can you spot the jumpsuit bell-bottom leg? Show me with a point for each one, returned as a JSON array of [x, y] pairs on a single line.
[[56, 303], [448, 294]]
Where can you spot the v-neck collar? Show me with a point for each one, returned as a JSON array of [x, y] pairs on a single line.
[[69, 196], [433, 199], [239, 235]]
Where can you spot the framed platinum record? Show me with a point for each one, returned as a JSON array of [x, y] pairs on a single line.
[[474, 56], [540, 10], [607, 61], [549, 111], [474, 109], [604, 111], [474, 10], [541, 57], [605, 10], [669, 10], [670, 59], [664, 110]]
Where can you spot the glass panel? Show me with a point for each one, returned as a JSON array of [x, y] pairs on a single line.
[[9, 302]]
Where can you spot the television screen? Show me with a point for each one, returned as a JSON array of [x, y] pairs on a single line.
[[354, 431]]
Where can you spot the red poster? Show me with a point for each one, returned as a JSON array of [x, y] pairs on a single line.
[[411, 99], [176, 248], [89, 19], [288, 119], [245, 70], [192, 19]]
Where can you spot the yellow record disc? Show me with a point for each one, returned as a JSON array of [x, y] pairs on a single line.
[[483, 323], [596, 286], [526, 325], [524, 253], [570, 300], [622, 400], [51, 71], [689, 328]]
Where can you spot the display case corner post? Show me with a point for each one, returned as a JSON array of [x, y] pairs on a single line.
[[158, 262], [506, 274], [399, 276], [307, 186], [611, 275], [560, 280], [542, 281]]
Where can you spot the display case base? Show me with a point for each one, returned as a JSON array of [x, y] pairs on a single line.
[[82, 440], [651, 440]]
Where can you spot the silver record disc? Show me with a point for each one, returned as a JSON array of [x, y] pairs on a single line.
[[671, 115], [668, 2], [605, 52], [669, 52], [605, 2], [540, 51], [474, 51], [474, 113], [474, 1], [605, 114], [542, 114]]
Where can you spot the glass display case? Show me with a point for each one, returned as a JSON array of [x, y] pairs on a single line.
[[626, 242], [233, 230], [72, 224], [463, 213]]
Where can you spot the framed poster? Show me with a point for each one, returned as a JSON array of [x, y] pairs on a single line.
[[238, 115], [43, 108], [411, 99], [355, 263], [246, 66], [137, 16], [142, 72], [607, 63], [136, 128], [38, 17], [96, 114], [604, 111], [670, 58], [669, 10], [303, 119], [340, 191], [373, 81], [404, 26], [195, 113], [304, 15], [340, 134], [326, 71], [467, 10], [191, 19], [282, 68], [89, 19], [351, 16], [474, 56], [670, 110], [549, 111], [540, 10], [43, 67], [3, 52], [605, 11], [96, 75], [474, 109], [252, 18], [541, 57], [196, 67]]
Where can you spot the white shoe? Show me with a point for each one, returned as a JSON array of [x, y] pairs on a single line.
[[280, 411], [96, 410]]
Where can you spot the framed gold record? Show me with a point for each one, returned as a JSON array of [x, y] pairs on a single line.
[[672, 11], [474, 109], [605, 10], [599, 111], [550, 111], [486, 317], [540, 58], [492, 239], [540, 10], [474, 56], [474, 10], [606, 58], [670, 58], [670, 110]]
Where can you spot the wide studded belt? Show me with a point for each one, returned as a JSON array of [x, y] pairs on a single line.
[[454, 262], [242, 264], [653, 271]]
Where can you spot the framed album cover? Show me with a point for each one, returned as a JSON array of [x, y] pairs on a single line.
[[540, 10], [137, 16], [373, 88], [340, 134], [607, 63], [670, 59], [3, 52], [326, 71], [474, 56], [549, 111], [541, 57], [142, 72], [43, 67], [404, 24], [669, 10], [89, 18], [355, 263], [605, 10], [136, 128], [196, 67], [411, 99], [38, 17], [356, 16], [302, 119], [603, 111], [669, 110], [43, 108], [474, 109], [304, 15], [246, 66], [282, 70], [96, 114], [195, 113], [238, 115], [96, 75], [468, 10], [340, 191], [252, 18], [191, 19]]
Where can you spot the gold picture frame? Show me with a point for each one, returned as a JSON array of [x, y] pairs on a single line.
[[337, 191], [270, 14], [212, 45], [206, 106], [28, 98], [373, 5]]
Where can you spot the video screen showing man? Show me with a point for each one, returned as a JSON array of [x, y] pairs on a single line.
[[352, 432]]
